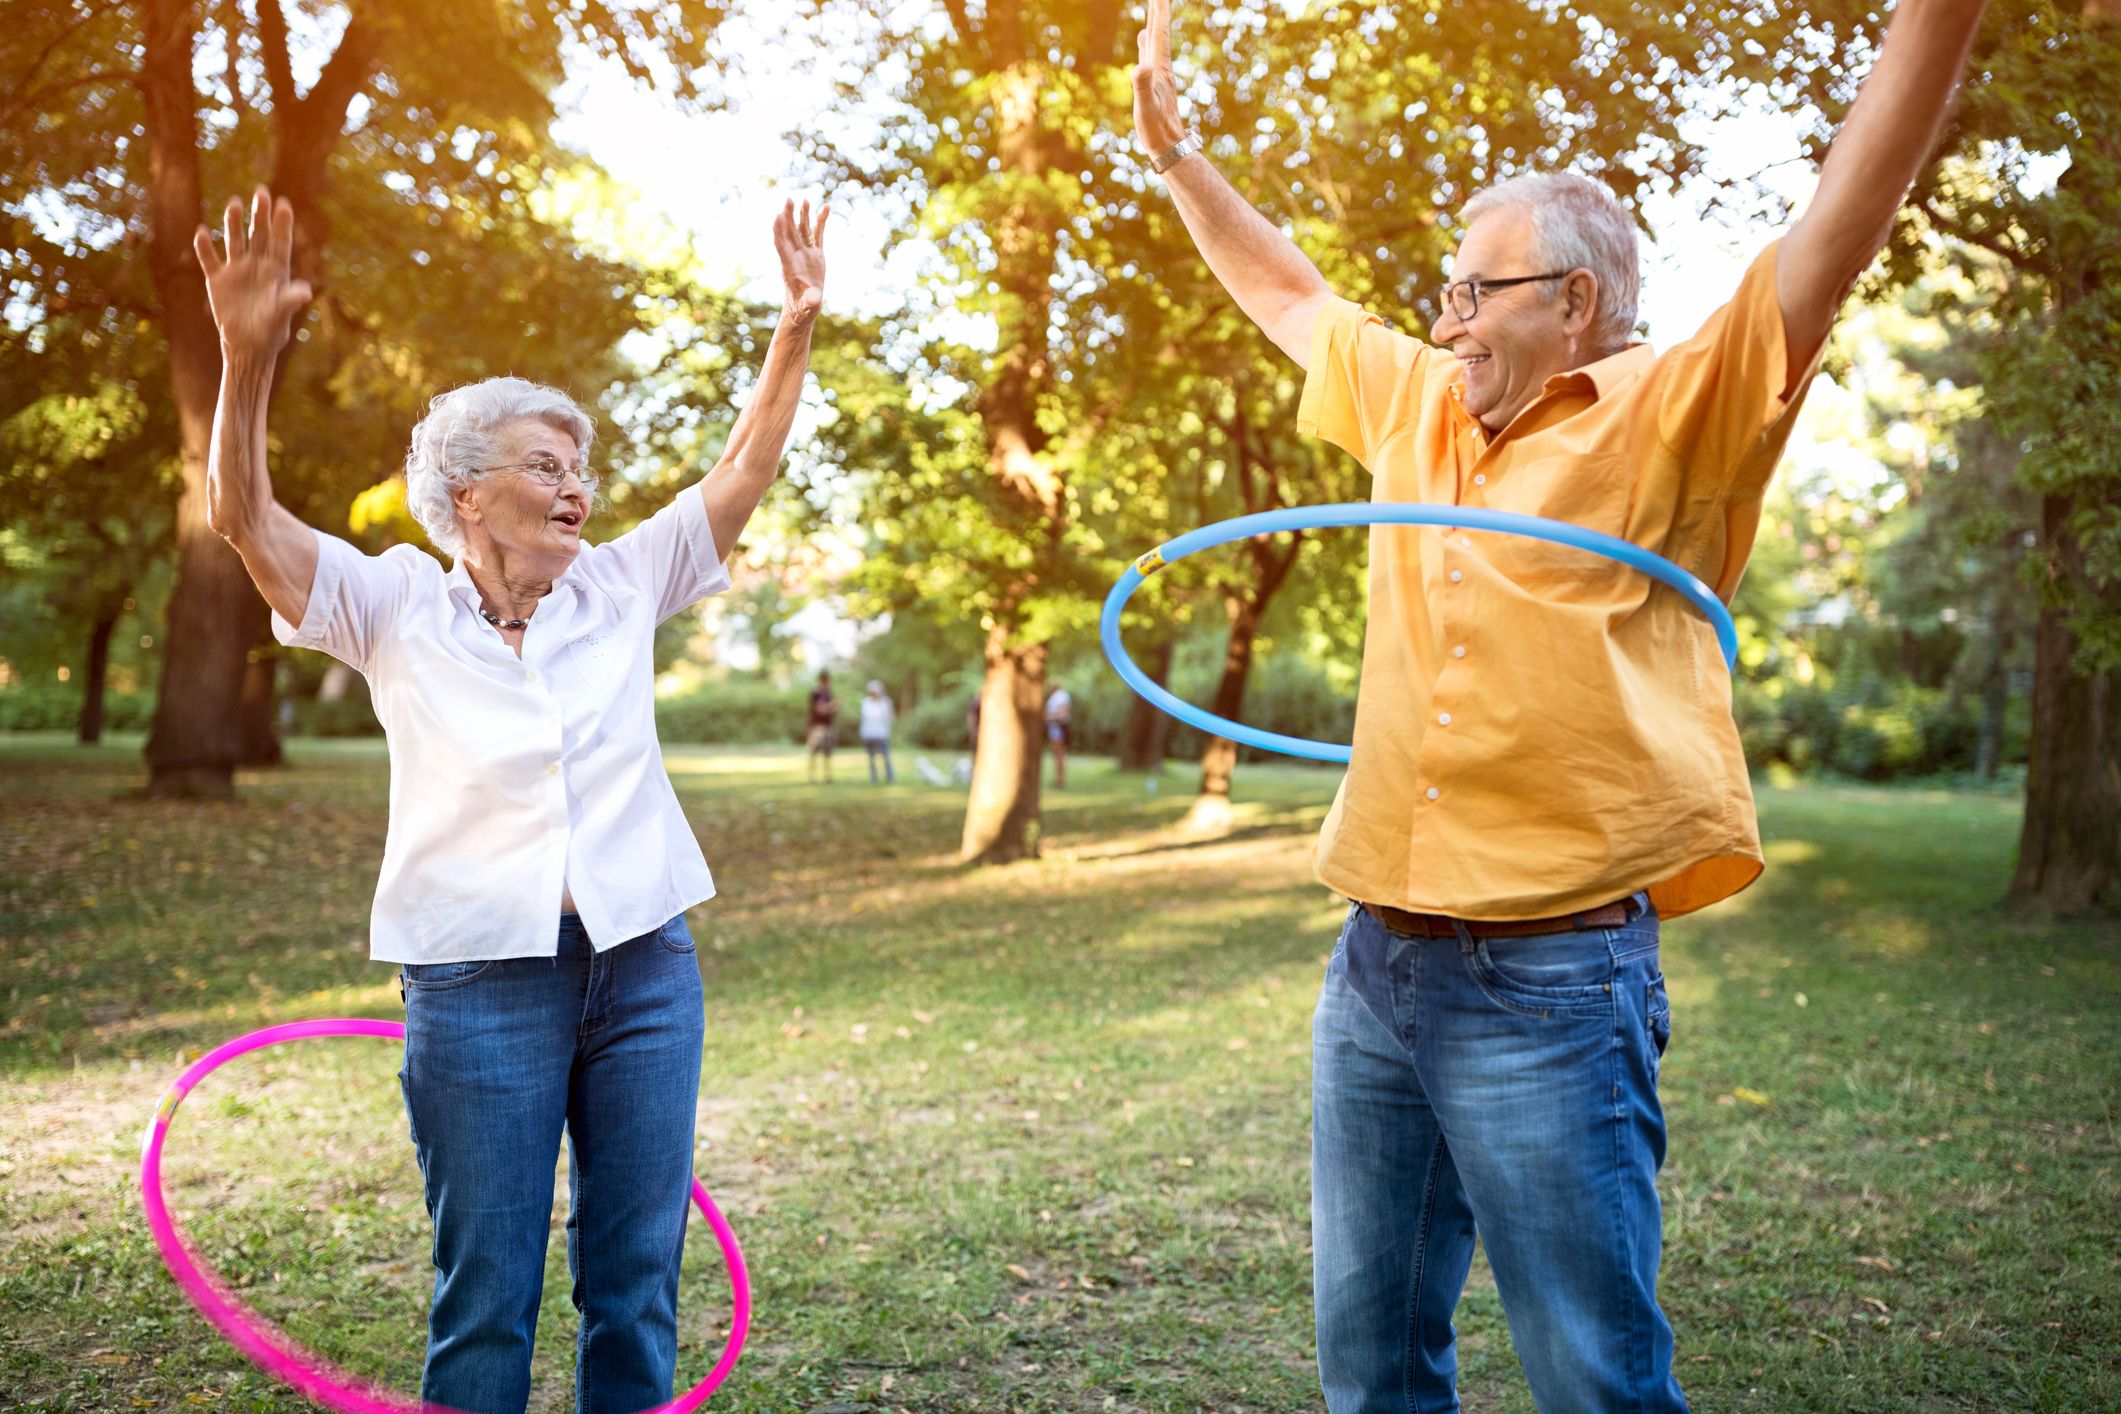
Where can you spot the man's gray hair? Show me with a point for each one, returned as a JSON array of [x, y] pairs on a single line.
[[457, 438], [1578, 223]]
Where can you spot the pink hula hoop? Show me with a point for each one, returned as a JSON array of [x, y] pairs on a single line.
[[272, 1351]]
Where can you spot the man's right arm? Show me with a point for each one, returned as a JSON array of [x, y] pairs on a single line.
[[1273, 282]]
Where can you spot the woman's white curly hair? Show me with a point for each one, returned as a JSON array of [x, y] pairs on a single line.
[[457, 438]]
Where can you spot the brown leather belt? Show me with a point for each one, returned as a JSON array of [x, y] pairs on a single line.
[[1437, 925]]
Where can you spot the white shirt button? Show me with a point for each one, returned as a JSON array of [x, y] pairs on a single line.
[[1458, 652], [1444, 717], [1457, 575], [531, 676], [1466, 540], [1433, 792], [1481, 480], [553, 769]]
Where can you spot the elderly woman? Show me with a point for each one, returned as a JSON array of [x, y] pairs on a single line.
[[538, 868]]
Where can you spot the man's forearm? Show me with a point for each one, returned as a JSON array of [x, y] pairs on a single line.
[[1893, 125], [1273, 281]]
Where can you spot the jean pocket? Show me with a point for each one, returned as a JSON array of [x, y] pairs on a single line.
[[1565, 972], [441, 976], [675, 937], [1657, 1018]]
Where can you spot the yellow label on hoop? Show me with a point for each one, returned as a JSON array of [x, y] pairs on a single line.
[[169, 1104], [1149, 564]]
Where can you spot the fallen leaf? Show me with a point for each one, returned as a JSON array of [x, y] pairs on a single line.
[[1751, 1097], [1020, 1273]]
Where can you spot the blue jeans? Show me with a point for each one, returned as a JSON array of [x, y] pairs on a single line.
[[879, 746], [500, 1057], [1507, 1087]]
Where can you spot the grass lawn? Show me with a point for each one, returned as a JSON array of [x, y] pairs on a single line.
[[1034, 1138]]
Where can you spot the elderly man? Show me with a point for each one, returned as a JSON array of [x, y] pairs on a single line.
[[538, 867], [1544, 758]]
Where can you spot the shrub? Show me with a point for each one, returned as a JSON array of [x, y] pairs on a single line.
[[741, 712], [56, 707]]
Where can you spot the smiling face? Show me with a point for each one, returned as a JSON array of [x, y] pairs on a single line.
[[514, 522], [1522, 335]]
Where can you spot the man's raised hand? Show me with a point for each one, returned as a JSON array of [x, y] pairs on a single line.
[[800, 243], [1156, 119], [253, 300]]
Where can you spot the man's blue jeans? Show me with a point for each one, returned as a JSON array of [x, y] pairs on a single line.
[[1503, 1086], [500, 1057], [879, 746]]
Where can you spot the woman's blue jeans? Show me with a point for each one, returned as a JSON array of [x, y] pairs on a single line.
[[1507, 1087], [500, 1058]]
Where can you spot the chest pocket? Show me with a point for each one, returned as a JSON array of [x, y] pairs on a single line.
[[1587, 491], [600, 657]]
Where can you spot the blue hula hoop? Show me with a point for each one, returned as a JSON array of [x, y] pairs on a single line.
[[1373, 513]]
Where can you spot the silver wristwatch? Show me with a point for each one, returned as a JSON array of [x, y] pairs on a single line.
[[1177, 152]]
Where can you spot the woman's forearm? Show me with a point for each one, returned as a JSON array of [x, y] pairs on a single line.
[[238, 483], [752, 457], [277, 549]]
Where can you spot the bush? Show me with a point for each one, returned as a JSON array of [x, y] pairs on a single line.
[[742, 712], [351, 715], [56, 707], [1873, 731]]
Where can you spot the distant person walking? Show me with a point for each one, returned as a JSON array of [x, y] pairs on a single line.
[[1060, 714], [824, 714], [877, 716]]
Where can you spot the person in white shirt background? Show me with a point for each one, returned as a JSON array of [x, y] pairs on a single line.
[[1060, 714], [877, 716], [537, 869]]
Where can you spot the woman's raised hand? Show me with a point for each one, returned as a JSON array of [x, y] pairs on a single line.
[[801, 245], [253, 300]]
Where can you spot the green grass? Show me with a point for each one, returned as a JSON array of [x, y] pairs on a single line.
[[1034, 1138]]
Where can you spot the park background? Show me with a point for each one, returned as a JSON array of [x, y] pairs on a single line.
[[1007, 1086]]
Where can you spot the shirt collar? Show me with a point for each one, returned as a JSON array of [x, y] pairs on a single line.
[[1608, 373], [458, 582]]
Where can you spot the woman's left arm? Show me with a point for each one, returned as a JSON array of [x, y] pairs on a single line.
[[753, 456]]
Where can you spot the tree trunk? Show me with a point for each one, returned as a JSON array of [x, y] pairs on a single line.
[[210, 715], [1001, 818], [214, 612], [89, 730], [2069, 852], [1148, 726], [261, 734], [1218, 760]]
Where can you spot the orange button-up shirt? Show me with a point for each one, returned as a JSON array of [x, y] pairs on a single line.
[[1541, 730]]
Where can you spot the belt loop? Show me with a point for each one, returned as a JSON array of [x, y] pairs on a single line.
[[1466, 945]]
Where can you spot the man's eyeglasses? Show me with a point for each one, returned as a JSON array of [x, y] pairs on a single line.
[[1463, 297], [549, 471]]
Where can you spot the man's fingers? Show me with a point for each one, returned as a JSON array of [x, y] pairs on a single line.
[[823, 212], [292, 297], [232, 227], [261, 218], [202, 244], [1157, 28]]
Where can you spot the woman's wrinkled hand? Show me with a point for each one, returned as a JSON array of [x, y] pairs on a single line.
[[253, 300], [800, 243]]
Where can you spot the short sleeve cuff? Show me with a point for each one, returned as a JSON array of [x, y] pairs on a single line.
[[323, 595], [709, 574], [1327, 382]]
